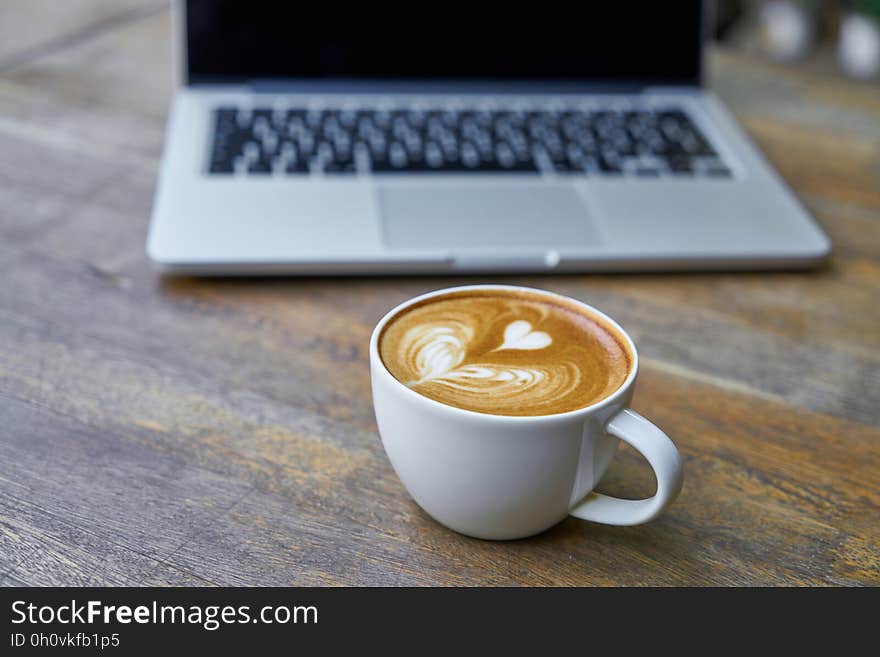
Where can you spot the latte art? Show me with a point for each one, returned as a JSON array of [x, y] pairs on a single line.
[[503, 353], [439, 353]]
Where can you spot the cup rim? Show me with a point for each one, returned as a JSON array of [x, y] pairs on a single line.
[[377, 362]]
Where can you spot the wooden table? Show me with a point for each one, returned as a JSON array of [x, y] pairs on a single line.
[[180, 431]]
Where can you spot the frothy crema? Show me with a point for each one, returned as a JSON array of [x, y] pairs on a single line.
[[505, 352]]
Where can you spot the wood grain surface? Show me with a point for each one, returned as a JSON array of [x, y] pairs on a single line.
[[162, 431]]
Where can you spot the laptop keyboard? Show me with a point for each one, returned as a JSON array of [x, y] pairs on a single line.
[[639, 142]]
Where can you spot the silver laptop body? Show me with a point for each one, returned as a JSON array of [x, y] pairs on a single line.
[[337, 152]]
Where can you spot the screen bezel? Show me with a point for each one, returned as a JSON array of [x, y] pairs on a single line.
[[186, 78]]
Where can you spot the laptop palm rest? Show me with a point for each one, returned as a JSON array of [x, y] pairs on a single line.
[[528, 216]]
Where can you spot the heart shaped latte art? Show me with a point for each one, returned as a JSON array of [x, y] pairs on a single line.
[[519, 335]]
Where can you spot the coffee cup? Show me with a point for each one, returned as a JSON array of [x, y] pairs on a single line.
[[511, 464]]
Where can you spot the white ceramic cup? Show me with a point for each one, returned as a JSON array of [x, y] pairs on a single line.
[[506, 477]]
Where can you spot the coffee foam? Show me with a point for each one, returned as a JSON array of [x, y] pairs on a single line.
[[505, 352]]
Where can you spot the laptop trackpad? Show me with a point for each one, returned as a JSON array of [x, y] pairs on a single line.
[[543, 215]]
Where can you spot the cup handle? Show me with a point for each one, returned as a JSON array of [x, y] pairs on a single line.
[[660, 452]]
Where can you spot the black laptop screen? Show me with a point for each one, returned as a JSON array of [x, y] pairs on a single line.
[[601, 42]]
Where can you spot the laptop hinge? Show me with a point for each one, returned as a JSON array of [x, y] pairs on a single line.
[[438, 87], [542, 261]]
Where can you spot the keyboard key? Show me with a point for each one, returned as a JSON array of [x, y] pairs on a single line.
[[505, 155], [397, 155], [433, 155], [469, 155]]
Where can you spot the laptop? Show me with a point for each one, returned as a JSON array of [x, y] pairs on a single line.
[[320, 139]]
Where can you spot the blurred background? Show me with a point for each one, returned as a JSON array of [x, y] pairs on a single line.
[[832, 34]]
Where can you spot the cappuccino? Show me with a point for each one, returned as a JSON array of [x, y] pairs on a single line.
[[505, 352]]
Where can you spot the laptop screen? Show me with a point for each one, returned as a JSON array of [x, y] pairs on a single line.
[[593, 42]]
